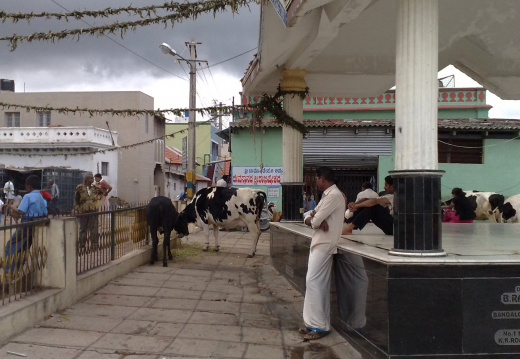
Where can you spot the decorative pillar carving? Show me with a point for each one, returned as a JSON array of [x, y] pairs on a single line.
[[417, 221], [292, 195]]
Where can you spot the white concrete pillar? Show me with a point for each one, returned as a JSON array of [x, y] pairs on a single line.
[[416, 179], [417, 88], [293, 80], [292, 186]]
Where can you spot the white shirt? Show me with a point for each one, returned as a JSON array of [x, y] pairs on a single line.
[[331, 209], [9, 190], [368, 193]]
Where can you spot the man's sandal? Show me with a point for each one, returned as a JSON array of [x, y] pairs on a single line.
[[304, 330], [313, 335]]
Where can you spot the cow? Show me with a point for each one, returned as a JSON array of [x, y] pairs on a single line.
[[485, 203], [509, 211], [161, 215], [225, 208]]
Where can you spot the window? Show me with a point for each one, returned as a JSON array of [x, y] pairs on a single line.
[[12, 119], [460, 150], [44, 118], [104, 168]]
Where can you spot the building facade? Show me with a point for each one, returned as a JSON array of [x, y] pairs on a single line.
[[135, 169], [356, 137]]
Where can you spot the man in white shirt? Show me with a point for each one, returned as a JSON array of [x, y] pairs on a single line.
[[327, 221], [223, 182], [366, 192], [379, 210], [9, 194]]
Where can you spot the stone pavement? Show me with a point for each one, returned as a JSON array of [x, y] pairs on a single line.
[[219, 305]]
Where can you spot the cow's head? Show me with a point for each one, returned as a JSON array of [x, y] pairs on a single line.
[[186, 216], [496, 201], [508, 211]]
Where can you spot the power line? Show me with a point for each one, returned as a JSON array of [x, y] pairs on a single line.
[[124, 47]]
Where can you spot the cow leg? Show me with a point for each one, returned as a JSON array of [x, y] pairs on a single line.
[[155, 241], [254, 229], [206, 233], [215, 235], [166, 248]]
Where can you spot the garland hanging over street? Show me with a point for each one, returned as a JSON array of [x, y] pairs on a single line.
[[273, 105], [182, 11]]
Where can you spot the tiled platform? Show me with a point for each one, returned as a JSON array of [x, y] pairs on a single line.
[[463, 305]]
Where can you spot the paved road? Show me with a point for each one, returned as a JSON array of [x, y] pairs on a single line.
[[209, 305]]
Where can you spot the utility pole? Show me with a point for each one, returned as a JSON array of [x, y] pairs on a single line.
[[190, 175], [220, 129], [192, 62]]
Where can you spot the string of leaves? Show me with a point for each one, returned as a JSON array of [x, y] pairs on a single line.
[[115, 148], [266, 104], [273, 105], [181, 11]]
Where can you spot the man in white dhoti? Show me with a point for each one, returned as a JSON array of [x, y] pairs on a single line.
[[327, 221]]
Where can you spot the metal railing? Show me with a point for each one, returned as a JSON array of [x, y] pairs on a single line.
[[108, 235], [22, 258]]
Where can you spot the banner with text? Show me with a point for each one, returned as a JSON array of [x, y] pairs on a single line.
[[254, 176]]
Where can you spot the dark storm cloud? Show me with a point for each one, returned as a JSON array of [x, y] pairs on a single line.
[[221, 38]]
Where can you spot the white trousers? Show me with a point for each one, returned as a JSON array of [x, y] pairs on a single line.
[[316, 306]]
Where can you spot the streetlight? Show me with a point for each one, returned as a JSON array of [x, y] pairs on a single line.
[[190, 174]]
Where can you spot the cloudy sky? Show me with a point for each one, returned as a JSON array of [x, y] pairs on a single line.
[[132, 63], [135, 63]]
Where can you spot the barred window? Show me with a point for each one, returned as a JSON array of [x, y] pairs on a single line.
[[44, 118], [12, 119], [455, 150]]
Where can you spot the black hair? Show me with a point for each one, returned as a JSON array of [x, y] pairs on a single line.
[[225, 178], [98, 175], [389, 180], [457, 192], [366, 185], [33, 181], [327, 173]]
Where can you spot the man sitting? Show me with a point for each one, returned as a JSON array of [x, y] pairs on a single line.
[[366, 192], [380, 210]]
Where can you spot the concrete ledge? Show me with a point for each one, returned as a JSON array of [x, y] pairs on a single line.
[[17, 316], [96, 278], [24, 313]]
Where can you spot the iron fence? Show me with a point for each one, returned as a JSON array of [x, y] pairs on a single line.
[[23, 255], [107, 235]]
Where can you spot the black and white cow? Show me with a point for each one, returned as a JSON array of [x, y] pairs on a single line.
[[161, 215], [225, 208], [484, 204], [509, 211]]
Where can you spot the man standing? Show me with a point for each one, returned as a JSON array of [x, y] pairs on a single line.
[[104, 187], [55, 195], [326, 220], [85, 198], [223, 182], [380, 210], [9, 194], [32, 206]]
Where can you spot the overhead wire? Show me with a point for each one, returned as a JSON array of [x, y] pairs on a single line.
[[123, 46]]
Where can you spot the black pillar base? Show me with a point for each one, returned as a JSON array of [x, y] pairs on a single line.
[[417, 213], [292, 201]]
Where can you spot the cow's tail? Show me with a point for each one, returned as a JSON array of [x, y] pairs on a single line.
[[263, 202]]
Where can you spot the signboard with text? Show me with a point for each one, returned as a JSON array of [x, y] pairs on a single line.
[[256, 176]]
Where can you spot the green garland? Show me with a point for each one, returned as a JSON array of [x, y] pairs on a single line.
[[183, 11], [117, 148], [273, 105]]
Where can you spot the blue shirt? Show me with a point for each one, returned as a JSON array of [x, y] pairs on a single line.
[[33, 205]]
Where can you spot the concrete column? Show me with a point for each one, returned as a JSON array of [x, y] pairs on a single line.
[[292, 195], [417, 222]]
